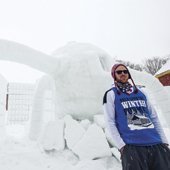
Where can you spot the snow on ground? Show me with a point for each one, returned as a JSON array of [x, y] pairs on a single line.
[[17, 154]]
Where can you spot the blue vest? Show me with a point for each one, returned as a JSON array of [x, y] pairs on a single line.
[[133, 119]]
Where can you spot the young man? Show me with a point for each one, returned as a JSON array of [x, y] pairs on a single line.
[[133, 125]]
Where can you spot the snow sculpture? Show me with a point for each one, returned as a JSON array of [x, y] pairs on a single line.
[[82, 77], [53, 136], [3, 91], [45, 96], [93, 144], [81, 73], [73, 131]]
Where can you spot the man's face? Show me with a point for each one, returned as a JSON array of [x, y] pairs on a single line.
[[121, 74]]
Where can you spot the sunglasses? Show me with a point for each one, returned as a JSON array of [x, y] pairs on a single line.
[[122, 71]]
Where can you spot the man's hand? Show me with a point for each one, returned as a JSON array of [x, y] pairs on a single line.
[[121, 150], [167, 145]]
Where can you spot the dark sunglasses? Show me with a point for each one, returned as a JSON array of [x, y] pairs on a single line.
[[122, 71]]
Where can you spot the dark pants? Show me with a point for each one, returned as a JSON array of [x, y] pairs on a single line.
[[156, 157]]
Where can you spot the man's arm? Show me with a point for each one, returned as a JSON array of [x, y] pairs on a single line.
[[109, 115], [155, 120], [157, 123]]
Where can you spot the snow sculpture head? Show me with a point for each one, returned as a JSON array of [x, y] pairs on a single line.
[[81, 79]]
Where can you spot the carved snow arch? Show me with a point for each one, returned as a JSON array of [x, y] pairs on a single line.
[[44, 106], [19, 53], [12, 51]]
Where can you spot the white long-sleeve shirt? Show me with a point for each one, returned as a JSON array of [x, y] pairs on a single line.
[[109, 114]]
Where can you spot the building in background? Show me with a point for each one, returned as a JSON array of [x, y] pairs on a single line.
[[164, 74]]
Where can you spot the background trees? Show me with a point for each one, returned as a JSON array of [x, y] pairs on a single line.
[[150, 65]]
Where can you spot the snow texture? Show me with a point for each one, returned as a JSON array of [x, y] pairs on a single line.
[[93, 144], [53, 137], [73, 131]]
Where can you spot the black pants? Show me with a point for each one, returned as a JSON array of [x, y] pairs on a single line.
[[156, 157]]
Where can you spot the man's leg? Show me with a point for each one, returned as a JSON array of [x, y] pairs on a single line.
[[135, 158], [161, 157]]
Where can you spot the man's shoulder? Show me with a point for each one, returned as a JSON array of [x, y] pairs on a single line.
[[111, 90], [141, 88]]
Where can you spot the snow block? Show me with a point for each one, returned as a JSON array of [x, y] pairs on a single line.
[[93, 144], [99, 120], [85, 123], [73, 131], [116, 153], [82, 79], [53, 136]]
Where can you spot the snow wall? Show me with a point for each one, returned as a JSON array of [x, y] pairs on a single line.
[[3, 91], [44, 106]]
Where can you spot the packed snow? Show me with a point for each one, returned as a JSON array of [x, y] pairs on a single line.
[[67, 128]]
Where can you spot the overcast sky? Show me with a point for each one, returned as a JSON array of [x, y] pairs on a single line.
[[129, 29], [15, 72]]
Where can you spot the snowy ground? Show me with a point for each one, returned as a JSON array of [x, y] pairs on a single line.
[[18, 153]]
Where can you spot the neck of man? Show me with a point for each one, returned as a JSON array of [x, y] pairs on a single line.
[[125, 87]]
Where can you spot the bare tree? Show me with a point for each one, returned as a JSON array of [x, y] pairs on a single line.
[[131, 65], [153, 64]]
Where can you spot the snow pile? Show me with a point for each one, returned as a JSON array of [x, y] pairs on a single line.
[[85, 123], [24, 154], [53, 136], [73, 131], [93, 144], [87, 143], [107, 163]]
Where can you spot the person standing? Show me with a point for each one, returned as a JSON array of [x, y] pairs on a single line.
[[134, 125]]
